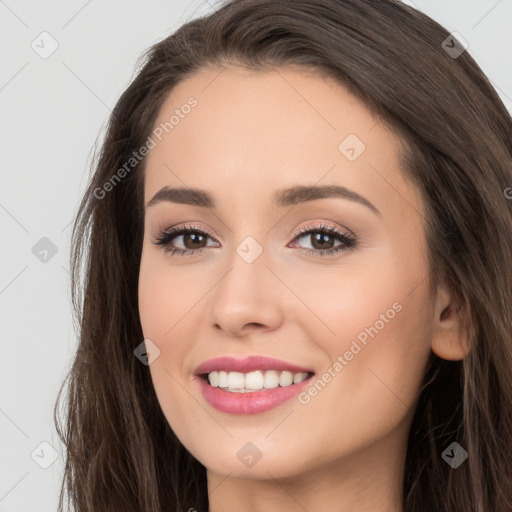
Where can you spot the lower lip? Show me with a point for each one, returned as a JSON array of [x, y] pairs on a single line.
[[252, 402]]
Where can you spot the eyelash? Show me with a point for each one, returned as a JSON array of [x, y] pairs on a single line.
[[348, 241]]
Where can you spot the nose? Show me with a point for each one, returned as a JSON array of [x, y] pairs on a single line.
[[246, 299]]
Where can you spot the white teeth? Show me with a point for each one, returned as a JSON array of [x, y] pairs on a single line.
[[213, 377], [252, 381], [271, 379], [286, 379], [299, 377], [236, 380], [223, 379]]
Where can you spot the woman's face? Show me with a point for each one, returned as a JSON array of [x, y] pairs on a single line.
[[351, 305]]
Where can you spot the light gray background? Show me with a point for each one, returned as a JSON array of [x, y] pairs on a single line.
[[52, 111]]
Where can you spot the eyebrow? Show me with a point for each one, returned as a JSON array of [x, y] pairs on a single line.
[[285, 197]]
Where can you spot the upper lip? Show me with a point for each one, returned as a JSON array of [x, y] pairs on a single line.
[[248, 364]]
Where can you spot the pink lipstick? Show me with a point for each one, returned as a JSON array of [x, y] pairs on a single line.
[[251, 385]]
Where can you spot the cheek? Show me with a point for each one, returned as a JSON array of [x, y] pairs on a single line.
[[165, 296], [164, 300], [154, 305], [155, 301], [373, 321], [345, 299]]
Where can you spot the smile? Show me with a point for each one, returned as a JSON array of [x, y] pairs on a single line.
[[235, 399], [251, 385], [249, 382]]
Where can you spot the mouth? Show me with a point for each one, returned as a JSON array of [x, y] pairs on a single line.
[[251, 385], [247, 393], [250, 382]]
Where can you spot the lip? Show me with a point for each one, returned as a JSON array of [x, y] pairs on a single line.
[[248, 364], [253, 402]]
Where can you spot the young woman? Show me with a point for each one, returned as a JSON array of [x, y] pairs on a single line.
[[292, 273]]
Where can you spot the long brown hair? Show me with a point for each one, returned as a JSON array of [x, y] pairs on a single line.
[[457, 135]]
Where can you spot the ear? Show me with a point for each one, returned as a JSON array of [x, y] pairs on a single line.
[[450, 338]]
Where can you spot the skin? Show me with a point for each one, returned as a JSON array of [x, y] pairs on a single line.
[[251, 134]]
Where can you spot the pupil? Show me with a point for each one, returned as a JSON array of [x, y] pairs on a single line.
[[320, 238], [194, 237]]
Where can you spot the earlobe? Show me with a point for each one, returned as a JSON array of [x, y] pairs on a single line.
[[450, 338]]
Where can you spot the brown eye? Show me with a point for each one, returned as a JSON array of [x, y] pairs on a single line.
[[325, 240], [322, 241], [183, 240], [193, 240]]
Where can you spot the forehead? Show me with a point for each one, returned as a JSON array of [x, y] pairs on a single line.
[[259, 130]]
